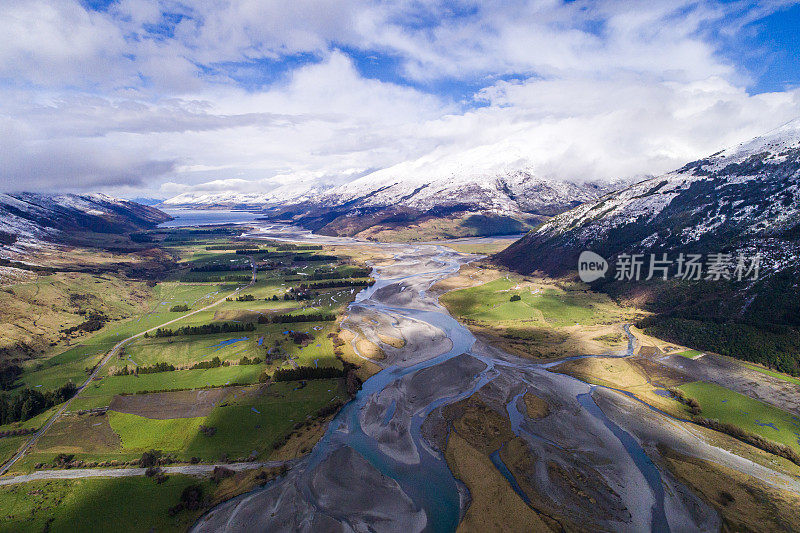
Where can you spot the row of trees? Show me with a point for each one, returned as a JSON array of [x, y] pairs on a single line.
[[356, 273], [308, 372], [229, 247], [206, 329], [315, 257], [333, 284], [232, 278], [152, 369], [215, 362], [299, 247], [286, 319]]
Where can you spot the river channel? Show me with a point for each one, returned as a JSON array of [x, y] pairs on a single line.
[[375, 470]]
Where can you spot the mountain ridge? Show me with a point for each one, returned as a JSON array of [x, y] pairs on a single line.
[[471, 203], [750, 190], [742, 200], [28, 220]]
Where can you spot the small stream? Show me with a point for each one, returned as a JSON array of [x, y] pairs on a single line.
[[643, 462]]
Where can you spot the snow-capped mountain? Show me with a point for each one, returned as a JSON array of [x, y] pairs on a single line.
[[739, 197], [743, 200], [385, 197], [28, 219]]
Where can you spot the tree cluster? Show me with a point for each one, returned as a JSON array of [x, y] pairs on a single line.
[[28, 402]]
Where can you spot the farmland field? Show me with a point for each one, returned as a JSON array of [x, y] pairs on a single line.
[[96, 504], [537, 318], [752, 415], [247, 419], [552, 306]]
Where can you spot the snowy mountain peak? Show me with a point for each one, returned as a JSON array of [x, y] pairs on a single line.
[[747, 196]]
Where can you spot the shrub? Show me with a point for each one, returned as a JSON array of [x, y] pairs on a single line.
[[191, 499], [220, 473], [150, 458]]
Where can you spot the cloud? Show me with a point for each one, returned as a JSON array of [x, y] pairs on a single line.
[[167, 97]]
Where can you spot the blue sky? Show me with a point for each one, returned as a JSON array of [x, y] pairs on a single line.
[[770, 50], [167, 97]]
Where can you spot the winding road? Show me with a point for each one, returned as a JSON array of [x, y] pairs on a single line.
[[36, 436]]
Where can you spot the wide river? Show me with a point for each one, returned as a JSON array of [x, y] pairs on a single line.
[[378, 469]]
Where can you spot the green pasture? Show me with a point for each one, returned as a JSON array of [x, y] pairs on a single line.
[[252, 424], [190, 349], [752, 415], [140, 434], [179, 379], [491, 303], [774, 374], [135, 504]]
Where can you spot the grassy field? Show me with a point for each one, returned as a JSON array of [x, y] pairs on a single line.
[[244, 424], [253, 423], [9, 446], [53, 377], [437, 228], [140, 434], [179, 379], [752, 415], [484, 248], [97, 505], [248, 421], [185, 350], [774, 374], [535, 317], [491, 302], [689, 354]]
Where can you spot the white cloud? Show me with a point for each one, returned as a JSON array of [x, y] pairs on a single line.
[[606, 90]]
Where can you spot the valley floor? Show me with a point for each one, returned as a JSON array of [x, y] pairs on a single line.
[[490, 401]]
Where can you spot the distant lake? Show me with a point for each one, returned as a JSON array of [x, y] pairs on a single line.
[[205, 217]]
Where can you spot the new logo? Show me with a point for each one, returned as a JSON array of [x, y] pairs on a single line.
[[591, 266]]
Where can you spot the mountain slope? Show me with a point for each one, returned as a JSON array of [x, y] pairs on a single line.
[[745, 199], [28, 219], [740, 197], [457, 204]]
